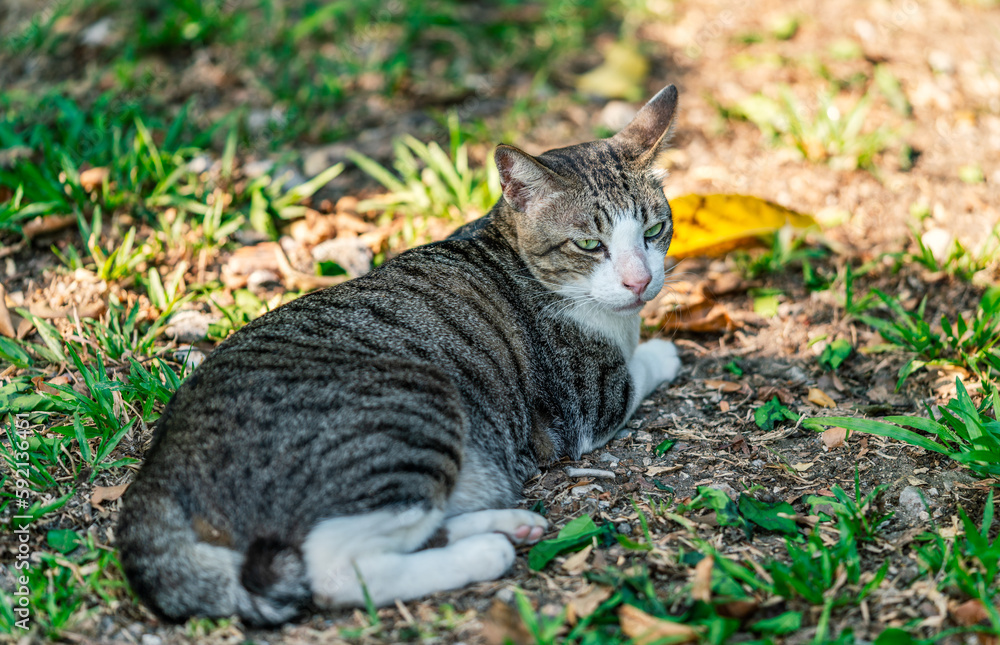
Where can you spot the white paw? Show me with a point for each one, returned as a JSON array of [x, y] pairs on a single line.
[[662, 358], [520, 526], [483, 557]]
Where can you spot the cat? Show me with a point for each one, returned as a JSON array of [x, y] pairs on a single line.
[[371, 438]]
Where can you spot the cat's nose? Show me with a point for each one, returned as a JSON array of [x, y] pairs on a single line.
[[637, 285]]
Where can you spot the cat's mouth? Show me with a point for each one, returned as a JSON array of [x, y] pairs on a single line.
[[632, 307]]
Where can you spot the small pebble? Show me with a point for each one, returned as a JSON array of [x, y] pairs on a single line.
[[624, 528], [151, 639]]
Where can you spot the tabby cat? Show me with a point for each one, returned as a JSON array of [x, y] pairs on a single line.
[[372, 437]]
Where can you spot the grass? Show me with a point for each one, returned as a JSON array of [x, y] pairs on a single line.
[[430, 184], [817, 573], [821, 132], [964, 432], [968, 344]]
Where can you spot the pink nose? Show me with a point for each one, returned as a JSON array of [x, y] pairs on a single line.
[[637, 285]]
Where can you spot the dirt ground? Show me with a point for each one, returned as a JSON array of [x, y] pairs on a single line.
[[947, 57]]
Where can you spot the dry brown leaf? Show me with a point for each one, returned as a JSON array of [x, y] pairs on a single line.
[[738, 609], [714, 224], [247, 259], [701, 585], [702, 317], [6, 324], [297, 280], [106, 494], [586, 602], [47, 224], [821, 398], [803, 466], [93, 310], [577, 562], [834, 437], [93, 178], [645, 629], [43, 387], [725, 386], [768, 392], [969, 613], [24, 328], [502, 624], [653, 471]]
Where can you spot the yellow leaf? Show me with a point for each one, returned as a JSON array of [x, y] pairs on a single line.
[[645, 629], [620, 76], [821, 398], [716, 224]]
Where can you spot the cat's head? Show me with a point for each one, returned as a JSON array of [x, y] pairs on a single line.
[[591, 220]]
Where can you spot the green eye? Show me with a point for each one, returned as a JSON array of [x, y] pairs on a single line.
[[653, 230], [588, 245]]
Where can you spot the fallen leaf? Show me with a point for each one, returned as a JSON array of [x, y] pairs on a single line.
[[767, 392], [93, 311], [502, 624], [821, 398], [701, 584], [653, 471], [834, 437], [43, 387], [106, 494], [738, 609], [586, 602], [620, 76], [247, 259], [725, 386], [47, 224], [702, 317], [6, 324], [715, 224], [93, 178], [646, 629], [24, 328], [723, 406], [969, 613], [802, 467], [577, 562]]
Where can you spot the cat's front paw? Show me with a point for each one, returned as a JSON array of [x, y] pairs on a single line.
[[661, 357]]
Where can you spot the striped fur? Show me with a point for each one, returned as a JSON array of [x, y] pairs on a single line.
[[326, 442]]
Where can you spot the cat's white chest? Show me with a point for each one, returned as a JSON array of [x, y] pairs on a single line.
[[623, 331]]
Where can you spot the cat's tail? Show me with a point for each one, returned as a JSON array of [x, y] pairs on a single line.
[[179, 575]]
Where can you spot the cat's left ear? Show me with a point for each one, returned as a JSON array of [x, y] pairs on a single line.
[[648, 134]]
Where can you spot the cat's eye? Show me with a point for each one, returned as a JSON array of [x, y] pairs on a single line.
[[588, 245], [653, 230]]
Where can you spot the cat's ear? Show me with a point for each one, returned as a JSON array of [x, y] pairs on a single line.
[[524, 178], [648, 134]]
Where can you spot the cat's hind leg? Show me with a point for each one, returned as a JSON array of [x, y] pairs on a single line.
[[375, 553]]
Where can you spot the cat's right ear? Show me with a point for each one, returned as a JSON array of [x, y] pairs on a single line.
[[648, 134], [523, 178]]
